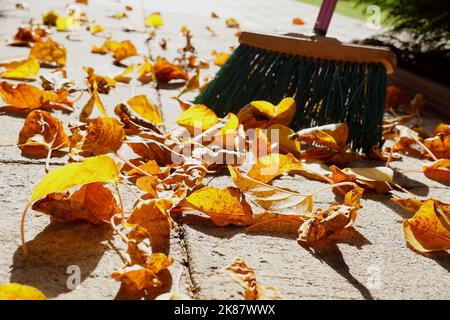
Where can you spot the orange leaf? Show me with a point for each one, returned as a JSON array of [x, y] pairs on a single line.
[[49, 53], [298, 21], [165, 71], [438, 170], [269, 167], [92, 203]]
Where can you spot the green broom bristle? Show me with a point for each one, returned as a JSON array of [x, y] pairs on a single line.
[[325, 91]]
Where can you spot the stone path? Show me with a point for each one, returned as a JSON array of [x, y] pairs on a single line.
[[349, 267]]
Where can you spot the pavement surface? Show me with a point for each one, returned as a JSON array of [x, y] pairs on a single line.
[[368, 261]]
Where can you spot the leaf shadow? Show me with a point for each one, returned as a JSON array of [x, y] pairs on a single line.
[[56, 248], [414, 186], [327, 251]]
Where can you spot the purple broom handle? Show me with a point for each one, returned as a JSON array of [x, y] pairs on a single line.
[[324, 17]]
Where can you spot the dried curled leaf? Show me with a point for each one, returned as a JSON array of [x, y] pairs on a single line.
[[15, 291], [49, 53], [429, 229], [153, 216], [438, 170], [99, 83], [271, 166], [439, 145], [269, 197], [124, 50], [278, 136], [197, 118], [376, 178], [165, 71], [262, 114], [327, 222], [28, 97], [333, 136], [220, 58], [224, 206], [139, 278], [21, 70], [246, 277], [298, 21], [103, 135], [92, 203], [94, 101], [42, 133]]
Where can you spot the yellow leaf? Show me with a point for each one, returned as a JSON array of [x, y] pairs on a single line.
[[125, 77], [198, 117], [278, 136], [66, 23], [145, 109], [232, 23], [154, 20], [224, 206], [22, 70], [145, 72], [267, 114], [221, 58], [96, 169], [15, 291], [269, 167], [376, 178], [89, 106], [97, 29], [429, 229]]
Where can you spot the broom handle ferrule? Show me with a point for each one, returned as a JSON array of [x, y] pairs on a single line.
[[324, 17]]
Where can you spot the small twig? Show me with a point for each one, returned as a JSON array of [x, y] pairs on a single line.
[[22, 230], [116, 230], [120, 202]]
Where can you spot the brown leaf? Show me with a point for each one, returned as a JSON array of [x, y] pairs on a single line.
[[42, 133], [327, 222], [246, 277], [92, 203], [438, 170]]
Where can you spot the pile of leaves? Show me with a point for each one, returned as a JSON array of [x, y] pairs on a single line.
[[169, 172]]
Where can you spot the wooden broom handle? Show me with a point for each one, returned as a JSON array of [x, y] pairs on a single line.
[[324, 17]]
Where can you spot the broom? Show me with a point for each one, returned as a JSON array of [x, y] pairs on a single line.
[[331, 81]]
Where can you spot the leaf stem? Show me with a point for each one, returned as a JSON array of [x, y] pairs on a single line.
[[22, 231]]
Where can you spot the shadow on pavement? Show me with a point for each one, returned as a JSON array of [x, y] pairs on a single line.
[[328, 252], [56, 248]]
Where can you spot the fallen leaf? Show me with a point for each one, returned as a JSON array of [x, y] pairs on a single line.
[[298, 21], [41, 134], [139, 278], [224, 206], [96, 29], [94, 101], [378, 179], [438, 170], [124, 50], [221, 58], [327, 222], [278, 136], [429, 229], [262, 114], [99, 83], [332, 136], [49, 18], [21, 70], [269, 197], [15, 291], [439, 145], [28, 97], [66, 23], [165, 71], [232, 23], [49, 53], [273, 165], [246, 277], [153, 216], [146, 109], [197, 119], [96, 169], [154, 20], [125, 76], [92, 203], [145, 72], [103, 135]]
